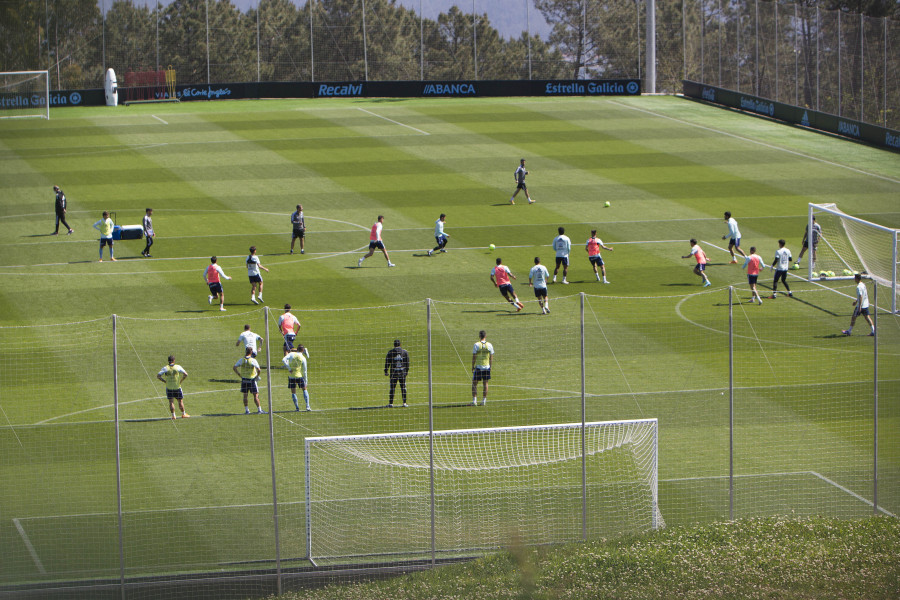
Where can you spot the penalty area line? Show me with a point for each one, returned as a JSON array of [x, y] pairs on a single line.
[[160, 120], [30, 547]]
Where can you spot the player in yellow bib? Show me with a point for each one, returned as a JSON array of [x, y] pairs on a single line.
[[248, 370], [482, 359], [173, 375], [295, 362], [105, 226]]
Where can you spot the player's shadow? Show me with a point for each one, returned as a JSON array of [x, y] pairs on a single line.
[[502, 204], [234, 381], [34, 235], [680, 284], [492, 310], [192, 311], [367, 407], [457, 405]]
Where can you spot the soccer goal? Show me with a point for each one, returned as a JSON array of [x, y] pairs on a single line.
[[411, 496], [847, 245], [24, 94]]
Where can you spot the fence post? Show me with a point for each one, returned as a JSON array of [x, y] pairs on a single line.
[[474, 40], [207, 43], [650, 52], [875, 403], [731, 403], [430, 427], [118, 458], [365, 42], [312, 60], [583, 425], [421, 43], [272, 453]]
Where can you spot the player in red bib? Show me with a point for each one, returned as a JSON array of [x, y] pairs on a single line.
[[700, 268], [500, 276]]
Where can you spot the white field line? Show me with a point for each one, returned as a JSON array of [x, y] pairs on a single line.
[[757, 142], [30, 547], [155, 511], [160, 120], [852, 493], [392, 121]]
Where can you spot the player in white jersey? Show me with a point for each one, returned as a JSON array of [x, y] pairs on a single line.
[[781, 264], [173, 376], [861, 305], [250, 340], [733, 236], [253, 267], [439, 235], [562, 245], [537, 278]]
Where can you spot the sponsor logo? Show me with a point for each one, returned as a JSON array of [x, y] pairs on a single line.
[[340, 90], [75, 98], [758, 106], [804, 120], [449, 89], [891, 140], [708, 94], [209, 92], [851, 129], [592, 88]]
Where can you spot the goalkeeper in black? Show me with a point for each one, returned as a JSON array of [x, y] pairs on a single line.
[[396, 365]]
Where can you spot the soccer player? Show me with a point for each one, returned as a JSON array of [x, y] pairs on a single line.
[[563, 245], [537, 278], [148, 232], [173, 376], [816, 233], [289, 325], [295, 362], [500, 276], [298, 226], [253, 267], [375, 241], [781, 264], [60, 209], [105, 227], [700, 268], [861, 305], [482, 360], [439, 236], [754, 264], [396, 365], [519, 176], [248, 370], [212, 274], [733, 236], [250, 340], [593, 246]]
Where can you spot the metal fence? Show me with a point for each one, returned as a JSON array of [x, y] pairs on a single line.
[[760, 412]]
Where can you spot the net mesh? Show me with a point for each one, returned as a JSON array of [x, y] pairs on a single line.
[[24, 94]]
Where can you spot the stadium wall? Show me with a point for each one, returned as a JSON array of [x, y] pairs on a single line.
[[795, 115]]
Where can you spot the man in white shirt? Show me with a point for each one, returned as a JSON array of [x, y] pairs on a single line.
[[862, 307], [148, 232], [253, 267], [439, 236], [733, 236], [250, 340], [537, 278], [781, 264], [562, 245]]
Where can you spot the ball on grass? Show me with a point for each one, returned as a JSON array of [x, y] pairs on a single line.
[[606, 204], [492, 247]]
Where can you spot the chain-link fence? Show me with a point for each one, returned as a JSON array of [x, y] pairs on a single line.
[[112, 492]]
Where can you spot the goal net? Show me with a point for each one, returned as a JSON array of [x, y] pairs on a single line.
[[24, 94], [845, 245], [370, 496]]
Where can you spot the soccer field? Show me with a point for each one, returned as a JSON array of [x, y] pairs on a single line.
[[221, 176]]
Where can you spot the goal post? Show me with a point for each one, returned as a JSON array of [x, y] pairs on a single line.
[[369, 497], [24, 94], [843, 245]]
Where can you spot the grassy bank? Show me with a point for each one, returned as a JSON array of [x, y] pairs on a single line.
[[753, 558]]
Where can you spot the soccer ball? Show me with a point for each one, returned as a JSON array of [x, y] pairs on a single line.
[[847, 272], [606, 204], [795, 267], [492, 247]]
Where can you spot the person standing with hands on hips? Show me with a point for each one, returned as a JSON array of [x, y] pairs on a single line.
[[396, 365], [105, 226]]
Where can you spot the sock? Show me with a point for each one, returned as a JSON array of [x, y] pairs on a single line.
[[850, 329], [294, 398], [475, 400], [306, 397]]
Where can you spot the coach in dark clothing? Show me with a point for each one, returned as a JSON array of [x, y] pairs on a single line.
[[61, 210], [396, 364]]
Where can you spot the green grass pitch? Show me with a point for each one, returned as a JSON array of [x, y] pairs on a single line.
[[222, 176]]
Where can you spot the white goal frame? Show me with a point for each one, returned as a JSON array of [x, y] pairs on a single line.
[[875, 272], [44, 113], [575, 446]]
